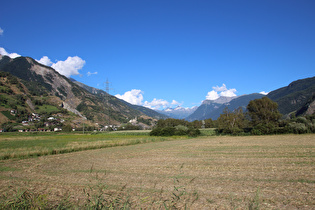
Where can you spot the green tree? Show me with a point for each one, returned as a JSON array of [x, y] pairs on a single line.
[[231, 122], [209, 123], [170, 122], [67, 128], [263, 111], [196, 124]]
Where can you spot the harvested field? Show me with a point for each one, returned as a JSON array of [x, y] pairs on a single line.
[[266, 172]]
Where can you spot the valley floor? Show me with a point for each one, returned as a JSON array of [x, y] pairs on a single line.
[[268, 172]]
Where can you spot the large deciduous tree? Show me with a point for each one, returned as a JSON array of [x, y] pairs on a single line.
[[231, 122], [263, 111]]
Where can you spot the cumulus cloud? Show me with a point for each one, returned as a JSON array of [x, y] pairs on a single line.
[[1, 31], [11, 55], [220, 91], [156, 104], [69, 67], [134, 97], [45, 61], [228, 93], [89, 73], [212, 95]]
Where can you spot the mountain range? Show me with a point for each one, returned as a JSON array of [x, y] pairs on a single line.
[[178, 112], [37, 82], [213, 108]]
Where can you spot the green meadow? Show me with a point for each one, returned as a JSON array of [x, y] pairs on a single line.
[[33, 144]]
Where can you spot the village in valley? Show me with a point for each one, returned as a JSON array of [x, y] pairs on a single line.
[[51, 123]]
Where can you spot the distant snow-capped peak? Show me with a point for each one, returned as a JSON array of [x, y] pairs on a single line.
[[221, 100], [178, 112], [179, 108]]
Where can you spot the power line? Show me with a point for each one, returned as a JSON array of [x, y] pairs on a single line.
[[107, 97]]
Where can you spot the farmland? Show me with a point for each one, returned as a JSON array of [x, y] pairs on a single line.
[[139, 171]]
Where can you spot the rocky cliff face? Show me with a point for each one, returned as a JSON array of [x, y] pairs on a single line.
[[60, 85], [311, 109]]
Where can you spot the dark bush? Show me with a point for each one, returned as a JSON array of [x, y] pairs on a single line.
[[193, 132], [172, 131], [267, 128], [167, 131], [67, 128]]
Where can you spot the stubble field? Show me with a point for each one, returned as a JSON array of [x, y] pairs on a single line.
[[251, 172]]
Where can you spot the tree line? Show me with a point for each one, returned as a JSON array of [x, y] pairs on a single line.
[[262, 117]]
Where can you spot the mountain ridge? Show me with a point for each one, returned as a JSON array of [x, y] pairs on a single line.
[[150, 112], [42, 80], [290, 98], [220, 100], [212, 109]]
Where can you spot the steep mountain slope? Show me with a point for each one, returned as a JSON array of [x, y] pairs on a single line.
[[42, 80], [150, 112], [17, 107], [241, 101], [147, 111], [212, 109], [86, 87], [207, 107], [308, 108], [203, 110], [294, 96]]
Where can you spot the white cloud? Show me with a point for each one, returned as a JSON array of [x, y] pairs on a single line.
[[11, 55], [264, 93], [69, 67], [228, 93], [1, 31], [134, 97], [220, 91], [89, 73], [45, 61], [212, 95], [156, 104]]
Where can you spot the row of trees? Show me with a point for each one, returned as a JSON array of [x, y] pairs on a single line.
[[262, 117]]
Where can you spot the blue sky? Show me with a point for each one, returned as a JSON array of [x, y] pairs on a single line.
[[155, 52]]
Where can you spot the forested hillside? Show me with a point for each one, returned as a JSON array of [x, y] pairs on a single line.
[[294, 96]]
